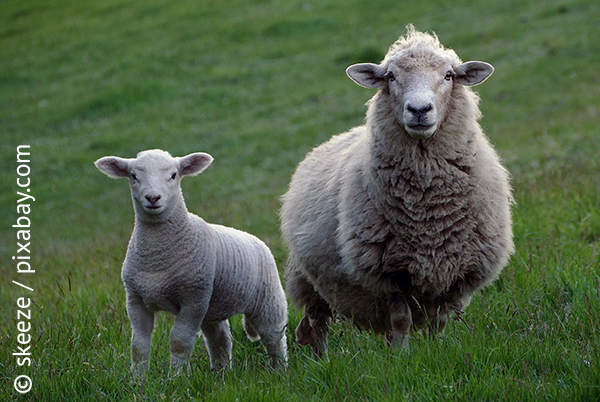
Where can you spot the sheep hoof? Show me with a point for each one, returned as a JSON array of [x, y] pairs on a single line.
[[138, 370], [178, 365], [138, 381], [400, 342]]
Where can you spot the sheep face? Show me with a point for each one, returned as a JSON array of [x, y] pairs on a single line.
[[154, 177], [417, 87], [154, 184]]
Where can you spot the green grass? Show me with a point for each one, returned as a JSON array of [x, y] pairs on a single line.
[[258, 84]]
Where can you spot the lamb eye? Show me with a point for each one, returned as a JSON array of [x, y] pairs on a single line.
[[133, 176], [173, 176], [390, 76], [449, 76]]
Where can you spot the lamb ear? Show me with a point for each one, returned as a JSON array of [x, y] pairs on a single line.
[[473, 72], [195, 163], [113, 166], [367, 75]]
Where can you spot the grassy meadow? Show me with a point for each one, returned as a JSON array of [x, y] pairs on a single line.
[[257, 84]]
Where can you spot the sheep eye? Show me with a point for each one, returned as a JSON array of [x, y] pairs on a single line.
[[390, 76], [173, 176], [449, 76], [133, 176]]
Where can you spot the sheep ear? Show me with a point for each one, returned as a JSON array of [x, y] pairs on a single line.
[[473, 72], [367, 75], [113, 166], [195, 163]]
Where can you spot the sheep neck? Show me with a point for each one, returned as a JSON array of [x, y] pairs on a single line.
[[152, 240], [420, 179]]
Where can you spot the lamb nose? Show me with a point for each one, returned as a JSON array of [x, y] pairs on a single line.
[[421, 111], [153, 199]]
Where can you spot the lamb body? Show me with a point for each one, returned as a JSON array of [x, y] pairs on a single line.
[[396, 223], [203, 273]]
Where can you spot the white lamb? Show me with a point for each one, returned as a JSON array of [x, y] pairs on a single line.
[[397, 223], [201, 272]]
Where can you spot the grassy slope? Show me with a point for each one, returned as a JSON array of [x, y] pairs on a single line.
[[257, 85]]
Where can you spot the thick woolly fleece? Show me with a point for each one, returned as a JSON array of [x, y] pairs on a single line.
[[375, 216], [201, 272]]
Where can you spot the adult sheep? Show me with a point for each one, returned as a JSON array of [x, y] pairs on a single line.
[[201, 272], [396, 223]]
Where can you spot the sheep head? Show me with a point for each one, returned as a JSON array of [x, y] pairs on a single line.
[[416, 80], [154, 177]]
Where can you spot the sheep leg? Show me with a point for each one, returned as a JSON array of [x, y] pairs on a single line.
[[277, 348], [183, 338], [272, 337], [142, 324], [217, 336], [437, 324], [314, 327], [438, 329], [401, 321], [455, 301], [275, 342]]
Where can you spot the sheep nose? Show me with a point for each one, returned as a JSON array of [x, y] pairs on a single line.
[[152, 199], [420, 112]]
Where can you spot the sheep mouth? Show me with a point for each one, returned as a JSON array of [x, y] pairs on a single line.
[[420, 131], [153, 209]]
